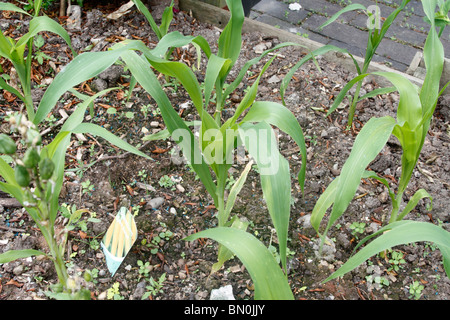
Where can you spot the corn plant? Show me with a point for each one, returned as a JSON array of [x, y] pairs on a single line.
[[414, 113], [166, 18], [376, 35], [211, 156], [20, 52], [441, 16]]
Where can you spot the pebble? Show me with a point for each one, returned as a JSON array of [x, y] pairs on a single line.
[[180, 188], [156, 202], [18, 270]]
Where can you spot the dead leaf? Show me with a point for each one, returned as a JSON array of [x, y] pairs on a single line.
[[14, 283]]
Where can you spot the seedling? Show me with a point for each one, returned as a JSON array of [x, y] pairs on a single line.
[[155, 287], [144, 268], [357, 228], [415, 290], [113, 293], [396, 261]]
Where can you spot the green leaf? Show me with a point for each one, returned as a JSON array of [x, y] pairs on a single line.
[[140, 69], [19, 254], [279, 116], [270, 282], [83, 67], [235, 189], [420, 194], [44, 23], [260, 143], [397, 233], [108, 136], [230, 38], [11, 7], [224, 254], [368, 144], [352, 7]]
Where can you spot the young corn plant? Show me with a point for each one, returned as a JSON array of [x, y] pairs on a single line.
[[212, 155], [376, 35], [20, 52], [414, 113], [35, 179]]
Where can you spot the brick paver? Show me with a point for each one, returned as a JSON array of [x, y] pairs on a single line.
[[404, 38]]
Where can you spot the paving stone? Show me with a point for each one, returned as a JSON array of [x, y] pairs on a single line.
[[281, 11], [404, 38], [322, 7], [282, 24]]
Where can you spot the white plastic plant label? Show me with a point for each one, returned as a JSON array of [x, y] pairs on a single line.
[[119, 239]]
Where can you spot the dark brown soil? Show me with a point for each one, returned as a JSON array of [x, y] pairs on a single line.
[[185, 207]]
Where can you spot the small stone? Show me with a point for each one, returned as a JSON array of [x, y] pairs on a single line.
[[18, 270], [155, 203], [173, 210], [182, 275], [180, 188], [154, 124]]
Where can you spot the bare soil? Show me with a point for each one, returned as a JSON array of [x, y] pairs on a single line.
[[122, 179]]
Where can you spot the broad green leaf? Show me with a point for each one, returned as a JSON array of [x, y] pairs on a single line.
[[224, 254], [419, 195], [7, 172], [368, 144], [324, 202], [409, 108], [279, 116], [320, 51], [6, 6], [83, 67], [351, 7], [214, 72], [108, 136], [260, 143], [140, 69], [328, 197], [44, 23], [397, 233], [235, 189], [230, 39], [166, 19], [433, 56], [270, 282], [19, 254]]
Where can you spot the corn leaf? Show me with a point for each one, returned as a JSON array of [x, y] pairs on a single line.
[[19, 254], [320, 51], [279, 116], [6, 6], [270, 282], [397, 233], [140, 69], [368, 144], [352, 7], [260, 142], [44, 23], [230, 39]]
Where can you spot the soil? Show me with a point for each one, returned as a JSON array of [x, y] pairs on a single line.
[[184, 207]]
